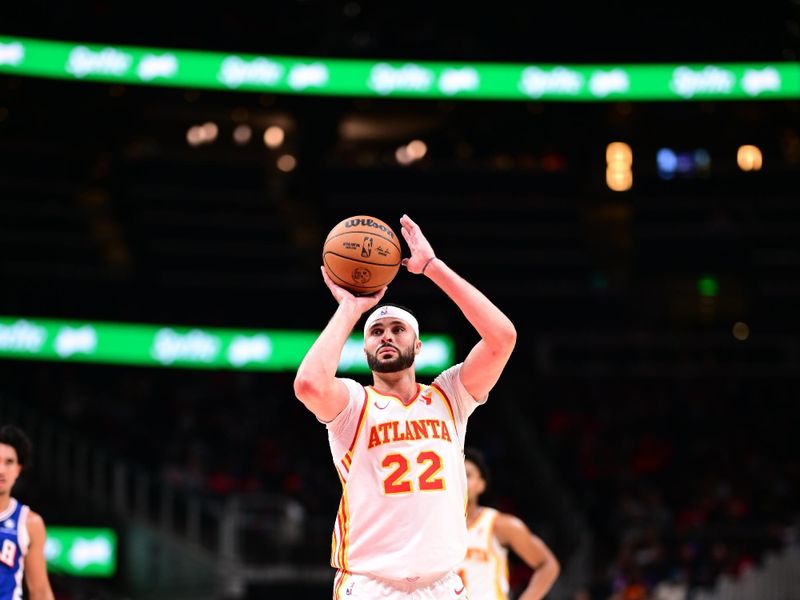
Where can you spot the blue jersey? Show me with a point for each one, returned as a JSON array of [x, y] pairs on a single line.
[[14, 542]]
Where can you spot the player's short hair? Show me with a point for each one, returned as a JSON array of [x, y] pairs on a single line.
[[400, 306], [14, 436], [477, 458]]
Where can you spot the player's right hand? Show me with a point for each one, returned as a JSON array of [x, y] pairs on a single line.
[[363, 303]]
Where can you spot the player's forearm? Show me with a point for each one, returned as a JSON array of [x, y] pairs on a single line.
[[542, 580], [494, 327], [322, 359]]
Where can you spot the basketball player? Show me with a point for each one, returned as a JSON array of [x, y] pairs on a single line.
[[397, 444], [22, 533], [490, 533]]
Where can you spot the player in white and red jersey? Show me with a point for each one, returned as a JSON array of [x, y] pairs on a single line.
[[398, 445], [490, 534]]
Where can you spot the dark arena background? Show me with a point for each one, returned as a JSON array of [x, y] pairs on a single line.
[[629, 196]]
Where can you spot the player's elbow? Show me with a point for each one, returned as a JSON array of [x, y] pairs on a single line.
[[506, 338], [554, 567], [306, 389], [510, 334]]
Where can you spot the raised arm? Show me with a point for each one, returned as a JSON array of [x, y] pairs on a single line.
[[315, 384], [510, 531], [35, 564], [485, 362]]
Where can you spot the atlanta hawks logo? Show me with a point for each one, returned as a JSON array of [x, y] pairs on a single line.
[[426, 396]]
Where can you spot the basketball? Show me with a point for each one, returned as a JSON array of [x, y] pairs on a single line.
[[361, 254]]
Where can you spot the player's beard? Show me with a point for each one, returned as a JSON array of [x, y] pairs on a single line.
[[401, 361]]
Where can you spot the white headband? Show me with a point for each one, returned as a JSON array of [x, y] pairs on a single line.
[[393, 312]]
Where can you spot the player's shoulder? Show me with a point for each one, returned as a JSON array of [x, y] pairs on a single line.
[[506, 517], [36, 528], [446, 378], [353, 387], [506, 523], [35, 519]]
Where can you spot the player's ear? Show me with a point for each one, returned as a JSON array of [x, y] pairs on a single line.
[[417, 347]]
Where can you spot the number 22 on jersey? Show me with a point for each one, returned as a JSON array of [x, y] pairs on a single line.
[[399, 480]]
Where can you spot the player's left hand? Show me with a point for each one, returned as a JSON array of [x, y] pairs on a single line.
[[421, 250]]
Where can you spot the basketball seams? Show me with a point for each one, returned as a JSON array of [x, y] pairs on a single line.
[[350, 283], [370, 233], [361, 262]]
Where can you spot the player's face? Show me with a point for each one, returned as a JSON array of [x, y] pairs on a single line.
[[475, 483], [9, 468], [390, 345]]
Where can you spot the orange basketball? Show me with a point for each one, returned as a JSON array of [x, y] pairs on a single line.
[[361, 254]]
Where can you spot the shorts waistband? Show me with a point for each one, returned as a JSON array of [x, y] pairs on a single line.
[[411, 583]]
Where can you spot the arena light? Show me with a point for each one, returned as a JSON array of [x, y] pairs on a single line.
[[683, 163], [619, 154], [702, 159], [417, 149], [619, 180], [749, 158], [741, 331], [287, 163], [619, 159], [242, 134], [708, 286], [402, 156], [667, 162], [195, 135], [210, 131], [274, 136]]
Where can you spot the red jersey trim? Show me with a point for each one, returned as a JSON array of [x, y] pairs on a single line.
[[398, 398]]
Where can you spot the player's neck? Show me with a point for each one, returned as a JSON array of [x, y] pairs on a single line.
[[402, 384], [5, 500], [473, 510]]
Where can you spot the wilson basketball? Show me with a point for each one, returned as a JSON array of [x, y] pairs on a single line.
[[361, 254]]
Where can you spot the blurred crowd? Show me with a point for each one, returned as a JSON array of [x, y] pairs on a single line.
[[682, 481]]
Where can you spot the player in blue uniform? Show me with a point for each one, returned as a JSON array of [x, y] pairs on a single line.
[[22, 532]]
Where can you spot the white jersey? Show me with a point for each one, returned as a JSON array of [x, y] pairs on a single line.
[[403, 507], [485, 569]]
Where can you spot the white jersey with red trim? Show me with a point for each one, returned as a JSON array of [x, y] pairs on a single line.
[[402, 513], [485, 569]]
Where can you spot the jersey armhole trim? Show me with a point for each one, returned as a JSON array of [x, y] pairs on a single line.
[[347, 460], [447, 403], [23, 536], [492, 520]]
